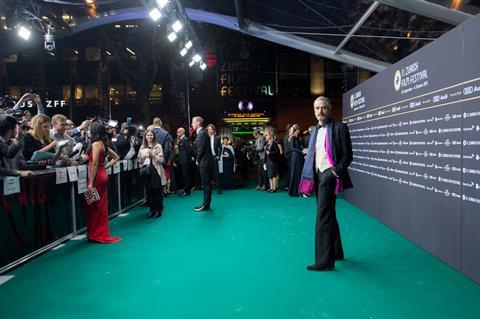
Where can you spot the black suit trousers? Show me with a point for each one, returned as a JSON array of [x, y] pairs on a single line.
[[185, 170], [206, 180], [328, 243]]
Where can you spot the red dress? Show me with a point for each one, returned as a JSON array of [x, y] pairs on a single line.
[[97, 212]]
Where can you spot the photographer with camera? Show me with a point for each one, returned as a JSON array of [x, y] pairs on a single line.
[[12, 161], [58, 133], [125, 142]]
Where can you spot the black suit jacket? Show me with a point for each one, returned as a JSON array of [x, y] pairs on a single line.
[[184, 155], [204, 151], [342, 146], [217, 146]]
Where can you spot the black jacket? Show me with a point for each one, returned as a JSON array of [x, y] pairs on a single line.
[[203, 149], [122, 145], [343, 152], [217, 146], [183, 151]]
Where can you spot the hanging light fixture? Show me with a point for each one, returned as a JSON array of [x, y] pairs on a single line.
[[155, 14], [24, 33], [172, 36], [177, 26]]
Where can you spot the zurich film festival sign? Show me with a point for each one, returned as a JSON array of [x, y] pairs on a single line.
[[410, 78], [357, 101]]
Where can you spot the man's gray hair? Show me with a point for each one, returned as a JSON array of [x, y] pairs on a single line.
[[325, 99], [199, 120]]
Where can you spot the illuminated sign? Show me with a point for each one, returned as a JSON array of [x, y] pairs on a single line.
[[246, 115], [244, 79], [50, 104]]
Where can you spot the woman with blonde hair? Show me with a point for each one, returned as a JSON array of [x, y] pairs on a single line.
[[296, 161], [272, 158], [151, 158], [38, 138]]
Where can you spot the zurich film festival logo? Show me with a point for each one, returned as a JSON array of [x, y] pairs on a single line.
[[397, 80], [352, 101]]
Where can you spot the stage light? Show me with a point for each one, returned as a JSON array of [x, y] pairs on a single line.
[[24, 33], [162, 3], [172, 37], [203, 66], [191, 63], [188, 45], [183, 52], [108, 52], [133, 53], [197, 58], [155, 14], [177, 26]]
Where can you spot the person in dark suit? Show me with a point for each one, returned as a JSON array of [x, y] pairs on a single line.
[[204, 162], [216, 147], [326, 171], [183, 159]]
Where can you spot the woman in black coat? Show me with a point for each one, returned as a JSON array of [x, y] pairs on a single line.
[[272, 158]]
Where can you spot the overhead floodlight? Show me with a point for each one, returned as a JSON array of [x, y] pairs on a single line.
[[130, 51], [203, 66], [172, 36], [183, 52], [155, 14], [188, 45], [24, 33], [108, 52], [191, 63], [177, 26], [197, 58], [162, 3]]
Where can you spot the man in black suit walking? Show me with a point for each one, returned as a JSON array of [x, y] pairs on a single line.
[[325, 170], [183, 159], [204, 162]]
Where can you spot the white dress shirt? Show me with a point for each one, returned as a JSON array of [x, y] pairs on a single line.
[[321, 158], [212, 144]]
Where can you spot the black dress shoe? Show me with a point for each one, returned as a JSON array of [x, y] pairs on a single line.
[[185, 194], [316, 267], [219, 192], [202, 208], [157, 214], [150, 214]]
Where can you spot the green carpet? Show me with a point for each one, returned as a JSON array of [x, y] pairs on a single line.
[[244, 259]]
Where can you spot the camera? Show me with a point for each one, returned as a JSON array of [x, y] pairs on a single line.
[[49, 40]]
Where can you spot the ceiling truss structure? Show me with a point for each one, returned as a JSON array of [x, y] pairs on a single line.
[[430, 10], [239, 23]]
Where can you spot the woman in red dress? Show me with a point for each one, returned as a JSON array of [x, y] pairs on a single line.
[[97, 212]]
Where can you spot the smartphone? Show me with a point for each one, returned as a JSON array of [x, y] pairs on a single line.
[[129, 121]]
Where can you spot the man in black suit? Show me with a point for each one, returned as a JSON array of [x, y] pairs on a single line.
[[216, 147], [329, 155], [183, 158], [204, 162]]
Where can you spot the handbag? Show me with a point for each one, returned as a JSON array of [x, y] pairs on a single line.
[[145, 172], [91, 196]]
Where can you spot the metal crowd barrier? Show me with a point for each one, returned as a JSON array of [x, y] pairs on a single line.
[[41, 212]]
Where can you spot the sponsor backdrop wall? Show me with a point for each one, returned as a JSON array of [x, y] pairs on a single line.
[[415, 131]]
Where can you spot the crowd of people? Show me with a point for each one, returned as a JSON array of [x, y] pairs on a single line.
[[200, 159]]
